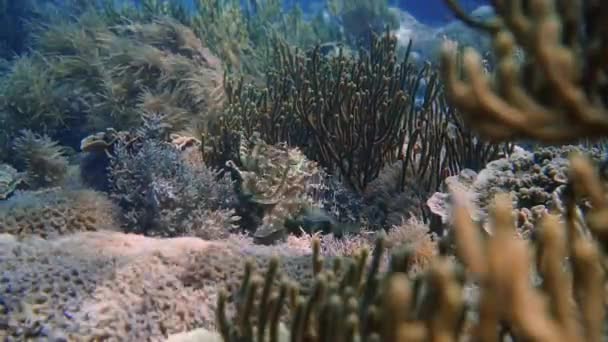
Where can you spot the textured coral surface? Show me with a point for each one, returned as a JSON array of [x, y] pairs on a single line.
[[54, 212], [114, 286]]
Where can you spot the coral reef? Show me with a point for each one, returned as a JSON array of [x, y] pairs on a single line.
[[54, 212], [363, 303], [565, 305], [114, 286], [161, 194], [535, 181], [328, 153]]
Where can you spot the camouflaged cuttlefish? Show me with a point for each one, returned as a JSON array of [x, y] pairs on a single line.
[[10, 179]]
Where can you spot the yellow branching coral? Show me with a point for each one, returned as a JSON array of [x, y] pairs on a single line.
[[502, 266], [557, 94]]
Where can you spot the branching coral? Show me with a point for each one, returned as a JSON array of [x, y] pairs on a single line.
[[558, 93], [162, 194], [369, 304], [350, 297]]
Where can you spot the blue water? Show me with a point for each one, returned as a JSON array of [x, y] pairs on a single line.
[[434, 12], [430, 12]]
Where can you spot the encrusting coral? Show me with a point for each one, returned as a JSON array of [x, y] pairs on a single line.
[[536, 182], [53, 212], [114, 286]]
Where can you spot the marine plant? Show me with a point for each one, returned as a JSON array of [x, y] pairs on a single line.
[[32, 98], [88, 76], [215, 21], [328, 104], [242, 33], [45, 162], [13, 30], [142, 11]]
